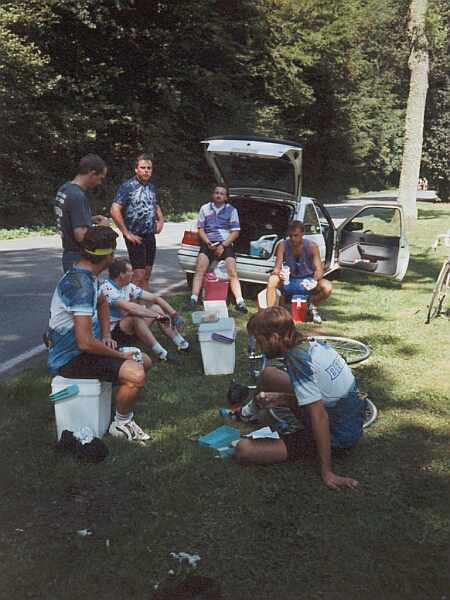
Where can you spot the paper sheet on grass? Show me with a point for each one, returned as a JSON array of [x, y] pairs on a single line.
[[264, 432]]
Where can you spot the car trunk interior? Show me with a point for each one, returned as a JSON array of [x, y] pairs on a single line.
[[263, 223]]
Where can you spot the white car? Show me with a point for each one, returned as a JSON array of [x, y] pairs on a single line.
[[264, 179]]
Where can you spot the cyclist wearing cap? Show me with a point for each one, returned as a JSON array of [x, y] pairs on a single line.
[[79, 340]]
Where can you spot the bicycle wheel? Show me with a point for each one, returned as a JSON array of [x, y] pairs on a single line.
[[352, 351], [370, 413], [285, 420], [439, 295]]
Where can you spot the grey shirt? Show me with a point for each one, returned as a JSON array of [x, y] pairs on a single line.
[[72, 210]]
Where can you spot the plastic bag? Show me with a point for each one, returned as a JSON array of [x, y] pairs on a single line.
[[221, 271]]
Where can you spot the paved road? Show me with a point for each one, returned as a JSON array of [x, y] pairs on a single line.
[[29, 270]]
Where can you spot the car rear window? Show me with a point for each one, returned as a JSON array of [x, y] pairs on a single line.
[[250, 172]]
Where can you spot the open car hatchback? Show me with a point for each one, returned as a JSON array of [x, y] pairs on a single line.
[[264, 178]]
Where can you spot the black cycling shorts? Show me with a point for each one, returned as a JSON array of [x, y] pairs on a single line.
[[300, 444], [122, 338], [142, 255], [93, 366], [227, 252]]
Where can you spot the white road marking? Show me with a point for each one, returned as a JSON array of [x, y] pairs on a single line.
[[17, 360], [13, 362]]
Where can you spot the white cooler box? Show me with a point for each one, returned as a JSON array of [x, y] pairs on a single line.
[[91, 407], [218, 357]]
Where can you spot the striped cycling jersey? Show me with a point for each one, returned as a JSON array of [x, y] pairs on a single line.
[[217, 223]]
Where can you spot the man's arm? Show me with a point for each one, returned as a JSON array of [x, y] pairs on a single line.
[[87, 342], [100, 220], [321, 431], [159, 220], [80, 214], [103, 317], [79, 233], [154, 299], [317, 263], [204, 238], [279, 255], [233, 235], [136, 310], [116, 214], [273, 399]]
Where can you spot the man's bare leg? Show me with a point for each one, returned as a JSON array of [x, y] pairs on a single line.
[[321, 292], [235, 284], [201, 267], [141, 277], [131, 381], [272, 286]]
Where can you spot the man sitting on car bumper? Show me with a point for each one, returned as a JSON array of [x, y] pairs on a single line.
[[218, 227], [305, 270]]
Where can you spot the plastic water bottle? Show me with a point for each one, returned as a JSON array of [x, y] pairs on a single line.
[[286, 270]]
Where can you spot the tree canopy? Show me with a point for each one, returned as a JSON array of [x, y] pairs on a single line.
[[118, 77]]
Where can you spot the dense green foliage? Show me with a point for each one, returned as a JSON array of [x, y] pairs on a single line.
[[121, 76]]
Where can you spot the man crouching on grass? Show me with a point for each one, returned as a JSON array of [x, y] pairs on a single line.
[[80, 344], [319, 387]]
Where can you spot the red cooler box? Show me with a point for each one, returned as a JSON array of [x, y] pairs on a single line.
[[214, 288], [299, 309]]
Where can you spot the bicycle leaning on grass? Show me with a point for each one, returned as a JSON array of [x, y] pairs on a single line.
[[439, 297]]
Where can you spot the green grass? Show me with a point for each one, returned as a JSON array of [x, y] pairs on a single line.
[[20, 232], [262, 532]]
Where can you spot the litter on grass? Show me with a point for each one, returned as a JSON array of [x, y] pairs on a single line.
[[84, 532], [85, 435], [192, 559], [264, 432]]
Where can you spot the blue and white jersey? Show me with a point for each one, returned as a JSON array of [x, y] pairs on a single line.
[[217, 223], [75, 295], [113, 293], [318, 372], [139, 205]]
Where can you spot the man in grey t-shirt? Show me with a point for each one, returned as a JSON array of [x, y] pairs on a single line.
[[72, 210]]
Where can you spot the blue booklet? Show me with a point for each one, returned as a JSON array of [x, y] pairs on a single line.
[[220, 437]]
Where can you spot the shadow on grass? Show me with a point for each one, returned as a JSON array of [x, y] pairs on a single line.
[[280, 522], [260, 531]]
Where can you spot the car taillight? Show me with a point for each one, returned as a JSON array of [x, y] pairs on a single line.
[[190, 238]]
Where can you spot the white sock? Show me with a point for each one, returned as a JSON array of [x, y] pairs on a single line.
[[249, 410], [179, 341], [240, 300], [123, 418], [159, 350], [194, 297]]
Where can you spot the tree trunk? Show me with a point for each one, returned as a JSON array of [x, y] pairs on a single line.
[[415, 111]]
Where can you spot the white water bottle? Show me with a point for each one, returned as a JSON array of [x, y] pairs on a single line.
[[286, 270]]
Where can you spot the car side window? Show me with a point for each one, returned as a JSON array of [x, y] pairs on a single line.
[[383, 221], [311, 221]]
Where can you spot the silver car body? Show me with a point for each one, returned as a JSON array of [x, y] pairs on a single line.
[[264, 178]]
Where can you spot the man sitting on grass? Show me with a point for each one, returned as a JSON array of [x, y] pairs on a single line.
[[319, 387], [131, 320], [79, 340]]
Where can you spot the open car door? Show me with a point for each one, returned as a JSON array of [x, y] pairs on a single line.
[[373, 240]]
